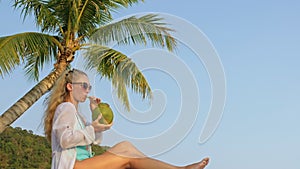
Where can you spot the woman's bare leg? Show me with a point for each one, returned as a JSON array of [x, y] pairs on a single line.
[[199, 165], [136, 158], [105, 160], [139, 161], [126, 149], [148, 163], [124, 155], [112, 161]]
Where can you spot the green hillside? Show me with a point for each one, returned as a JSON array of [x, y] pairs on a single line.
[[22, 149]]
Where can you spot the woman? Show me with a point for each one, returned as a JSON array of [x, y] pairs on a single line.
[[71, 136]]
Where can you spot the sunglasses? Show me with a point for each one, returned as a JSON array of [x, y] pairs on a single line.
[[84, 85]]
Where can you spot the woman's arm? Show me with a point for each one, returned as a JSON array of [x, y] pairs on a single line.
[[98, 134], [64, 127], [99, 128]]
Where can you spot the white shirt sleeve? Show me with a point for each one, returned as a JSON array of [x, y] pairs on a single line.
[[64, 127]]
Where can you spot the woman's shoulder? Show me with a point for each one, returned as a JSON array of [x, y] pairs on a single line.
[[66, 106]]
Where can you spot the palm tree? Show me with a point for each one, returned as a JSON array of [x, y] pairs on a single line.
[[68, 26]]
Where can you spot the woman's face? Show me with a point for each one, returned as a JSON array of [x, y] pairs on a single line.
[[80, 88]]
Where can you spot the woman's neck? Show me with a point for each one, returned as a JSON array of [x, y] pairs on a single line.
[[73, 101]]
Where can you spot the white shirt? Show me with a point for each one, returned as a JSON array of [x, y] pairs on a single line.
[[67, 134]]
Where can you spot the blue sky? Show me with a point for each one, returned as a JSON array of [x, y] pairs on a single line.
[[258, 46]]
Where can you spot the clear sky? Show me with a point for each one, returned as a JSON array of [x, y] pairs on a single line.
[[258, 46]]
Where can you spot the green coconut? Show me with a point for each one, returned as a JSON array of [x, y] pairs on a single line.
[[106, 111]]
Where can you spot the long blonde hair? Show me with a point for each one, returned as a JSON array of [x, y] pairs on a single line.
[[58, 95]]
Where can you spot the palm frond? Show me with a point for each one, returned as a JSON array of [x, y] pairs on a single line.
[[112, 5], [118, 68], [43, 11], [92, 14], [26, 47], [95, 13], [137, 31], [71, 16]]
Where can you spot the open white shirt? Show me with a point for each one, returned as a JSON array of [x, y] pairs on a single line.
[[67, 134]]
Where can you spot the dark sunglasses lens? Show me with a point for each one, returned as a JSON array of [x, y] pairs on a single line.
[[86, 86]]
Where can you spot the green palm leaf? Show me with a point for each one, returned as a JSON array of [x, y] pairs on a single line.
[[43, 12], [137, 31], [30, 46], [79, 16], [92, 15], [118, 68]]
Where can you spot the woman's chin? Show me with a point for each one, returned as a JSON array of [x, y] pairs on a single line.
[[83, 100]]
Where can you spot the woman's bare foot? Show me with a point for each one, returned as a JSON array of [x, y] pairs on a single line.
[[199, 165]]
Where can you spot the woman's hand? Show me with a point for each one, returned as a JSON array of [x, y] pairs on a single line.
[[94, 101], [98, 127]]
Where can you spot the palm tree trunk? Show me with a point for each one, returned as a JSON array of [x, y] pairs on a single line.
[[16, 110]]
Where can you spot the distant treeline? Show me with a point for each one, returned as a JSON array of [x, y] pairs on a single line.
[[20, 148]]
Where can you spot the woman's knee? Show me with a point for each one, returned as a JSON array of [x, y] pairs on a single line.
[[125, 146], [127, 149]]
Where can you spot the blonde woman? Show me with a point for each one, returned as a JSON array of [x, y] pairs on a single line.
[[71, 135]]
